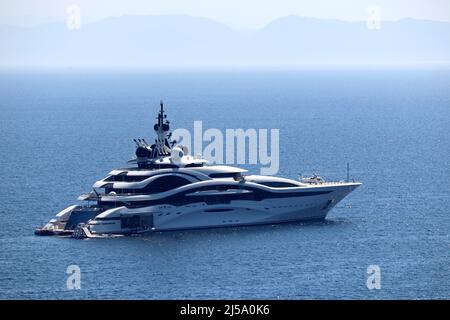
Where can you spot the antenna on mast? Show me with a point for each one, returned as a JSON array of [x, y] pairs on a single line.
[[348, 172]]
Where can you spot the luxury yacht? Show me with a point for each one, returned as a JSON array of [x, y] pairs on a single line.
[[167, 189]]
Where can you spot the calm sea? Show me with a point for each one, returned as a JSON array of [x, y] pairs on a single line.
[[62, 131]]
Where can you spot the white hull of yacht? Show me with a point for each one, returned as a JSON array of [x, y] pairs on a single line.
[[236, 213]]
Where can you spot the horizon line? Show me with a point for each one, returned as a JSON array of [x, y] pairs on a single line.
[[98, 20], [392, 65]]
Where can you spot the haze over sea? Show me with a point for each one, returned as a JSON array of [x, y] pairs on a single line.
[[61, 131]]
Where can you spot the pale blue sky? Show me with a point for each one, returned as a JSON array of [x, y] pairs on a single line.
[[237, 13]]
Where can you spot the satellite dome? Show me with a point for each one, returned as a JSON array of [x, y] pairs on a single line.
[[143, 152], [176, 154], [185, 149]]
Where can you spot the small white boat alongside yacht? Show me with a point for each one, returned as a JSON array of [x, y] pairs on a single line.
[[168, 189]]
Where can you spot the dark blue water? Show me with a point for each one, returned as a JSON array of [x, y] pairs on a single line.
[[60, 132]]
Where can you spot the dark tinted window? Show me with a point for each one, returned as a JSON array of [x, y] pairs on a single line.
[[223, 175], [277, 184], [194, 165], [166, 183], [157, 166], [134, 178], [218, 188], [158, 185], [125, 178]]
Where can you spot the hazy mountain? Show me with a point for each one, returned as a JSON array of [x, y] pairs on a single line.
[[161, 41]]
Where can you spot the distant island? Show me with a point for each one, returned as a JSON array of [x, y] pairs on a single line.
[[185, 41]]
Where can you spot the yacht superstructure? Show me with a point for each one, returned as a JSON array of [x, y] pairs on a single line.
[[167, 189]]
